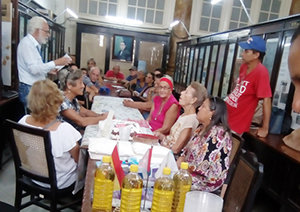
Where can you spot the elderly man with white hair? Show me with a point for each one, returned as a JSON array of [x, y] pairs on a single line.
[[31, 67]]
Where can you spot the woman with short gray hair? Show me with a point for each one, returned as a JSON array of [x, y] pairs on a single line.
[[70, 110]]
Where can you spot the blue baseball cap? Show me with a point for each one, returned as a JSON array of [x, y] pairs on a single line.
[[255, 43]]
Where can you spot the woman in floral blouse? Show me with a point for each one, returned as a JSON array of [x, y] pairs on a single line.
[[208, 150]]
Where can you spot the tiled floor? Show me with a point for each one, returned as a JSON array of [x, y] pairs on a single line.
[[7, 187]]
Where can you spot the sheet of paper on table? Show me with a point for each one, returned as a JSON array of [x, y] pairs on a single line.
[[98, 147]]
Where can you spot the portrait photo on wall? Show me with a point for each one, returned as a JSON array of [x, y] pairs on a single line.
[[122, 47]]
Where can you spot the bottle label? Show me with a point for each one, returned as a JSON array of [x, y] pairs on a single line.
[[162, 200], [131, 199], [103, 193], [179, 197]]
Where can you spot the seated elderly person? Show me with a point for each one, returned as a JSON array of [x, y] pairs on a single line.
[[143, 95], [93, 82], [70, 110], [44, 100], [114, 74], [209, 149], [165, 108], [145, 106], [190, 99], [133, 74], [90, 63], [139, 84]]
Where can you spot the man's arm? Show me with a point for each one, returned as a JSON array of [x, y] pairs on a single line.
[[138, 105], [263, 131]]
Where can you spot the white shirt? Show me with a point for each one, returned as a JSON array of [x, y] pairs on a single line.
[[63, 139], [30, 64]]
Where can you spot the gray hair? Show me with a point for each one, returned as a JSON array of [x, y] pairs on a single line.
[[70, 76], [200, 93], [35, 23]]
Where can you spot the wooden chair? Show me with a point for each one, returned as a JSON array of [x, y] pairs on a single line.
[[237, 143], [7, 208], [245, 182], [31, 148]]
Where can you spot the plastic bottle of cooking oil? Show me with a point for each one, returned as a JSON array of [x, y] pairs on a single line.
[[103, 186], [163, 192], [183, 182], [132, 186]]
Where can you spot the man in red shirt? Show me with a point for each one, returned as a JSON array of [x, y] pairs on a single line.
[[115, 74], [251, 86]]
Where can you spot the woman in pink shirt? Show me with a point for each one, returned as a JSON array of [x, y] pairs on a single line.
[[165, 108]]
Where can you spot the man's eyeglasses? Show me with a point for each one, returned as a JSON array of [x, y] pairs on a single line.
[[47, 31]]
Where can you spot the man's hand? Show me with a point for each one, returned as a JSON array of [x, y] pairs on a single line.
[[103, 115], [262, 132], [53, 71], [127, 102], [63, 61]]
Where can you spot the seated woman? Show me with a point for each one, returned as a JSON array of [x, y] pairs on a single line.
[[139, 83], [165, 108], [208, 151], [143, 95], [70, 110], [44, 100], [190, 99], [145, 107]]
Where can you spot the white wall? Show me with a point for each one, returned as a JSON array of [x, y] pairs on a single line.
[[47, 4], [70, 36]]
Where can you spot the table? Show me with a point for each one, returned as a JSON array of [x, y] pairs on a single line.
[[116, 89], [101, 104], [104, 104], [87, 197], [281, 169]]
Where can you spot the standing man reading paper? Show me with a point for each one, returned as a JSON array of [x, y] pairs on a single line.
[[31, 67], [252, 85]]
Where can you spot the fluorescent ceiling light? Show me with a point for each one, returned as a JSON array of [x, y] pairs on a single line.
[[121, 20], [174, 23], [72, 13]]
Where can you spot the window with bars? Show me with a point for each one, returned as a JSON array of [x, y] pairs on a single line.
[[147, 11], [98, 7], [238, 16], [210, 16], [269, 10]]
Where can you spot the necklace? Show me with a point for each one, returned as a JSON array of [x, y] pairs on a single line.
[[160, 109]]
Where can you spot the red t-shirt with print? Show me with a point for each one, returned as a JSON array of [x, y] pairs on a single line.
[[242, 101]]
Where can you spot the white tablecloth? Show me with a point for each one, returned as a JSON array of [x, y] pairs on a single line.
[[103, 104]]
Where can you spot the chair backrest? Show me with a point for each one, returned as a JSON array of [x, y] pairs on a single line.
[[31, 148], [237, 143], [245, 182]]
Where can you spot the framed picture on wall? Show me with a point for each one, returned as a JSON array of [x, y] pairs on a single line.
[[122, 48]]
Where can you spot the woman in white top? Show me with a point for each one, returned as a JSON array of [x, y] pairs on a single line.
[[44, 100], [180, 133]]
